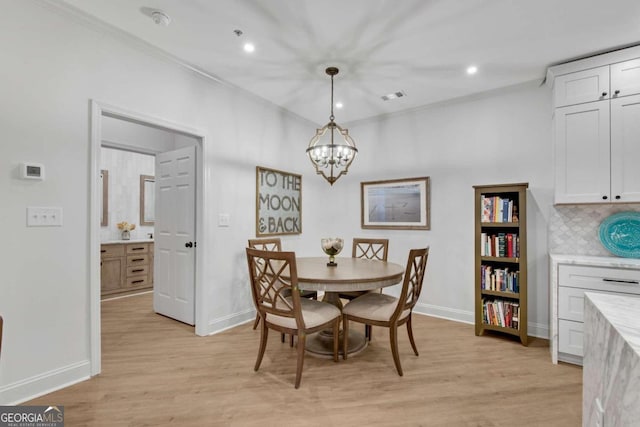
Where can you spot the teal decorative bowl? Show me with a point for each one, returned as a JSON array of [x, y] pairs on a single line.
[[620, 234]]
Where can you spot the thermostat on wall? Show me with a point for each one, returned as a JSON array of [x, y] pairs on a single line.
[[32, 171]]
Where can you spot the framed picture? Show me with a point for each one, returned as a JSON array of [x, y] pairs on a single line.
[[278, 202], [401, 204]]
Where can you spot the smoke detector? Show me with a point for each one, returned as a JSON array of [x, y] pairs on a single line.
[[160, 18]]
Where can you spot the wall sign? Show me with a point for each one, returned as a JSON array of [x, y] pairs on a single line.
[[278, 202]]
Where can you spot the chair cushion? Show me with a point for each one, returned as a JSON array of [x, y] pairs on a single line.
[[373, 306], [314, 313]]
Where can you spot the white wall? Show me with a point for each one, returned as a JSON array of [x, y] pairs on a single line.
[[500, 137], [53, 66]]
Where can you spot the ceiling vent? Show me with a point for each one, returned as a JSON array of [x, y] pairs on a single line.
[[394, 95]]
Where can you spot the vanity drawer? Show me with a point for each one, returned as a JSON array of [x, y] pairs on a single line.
[[137, 270], [600, 278], [137, 248], [137, 281], [570, 335], [142, 259], [111, 251]]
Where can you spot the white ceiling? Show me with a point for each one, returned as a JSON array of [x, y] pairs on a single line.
[[421, 47]]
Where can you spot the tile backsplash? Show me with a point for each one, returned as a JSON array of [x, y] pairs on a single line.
[[573, 229]]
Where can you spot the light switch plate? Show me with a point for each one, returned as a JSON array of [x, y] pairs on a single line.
[[224, 220], [44, 217]]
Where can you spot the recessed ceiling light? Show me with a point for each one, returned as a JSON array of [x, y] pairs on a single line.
[[339, 105], [472, 70], [394, 95], [249, 47]]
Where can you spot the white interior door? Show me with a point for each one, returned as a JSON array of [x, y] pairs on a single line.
[[174, 264]]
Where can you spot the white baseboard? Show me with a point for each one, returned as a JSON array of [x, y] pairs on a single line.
[[39, 385], [534, 329], [445, 313], [221, 324]]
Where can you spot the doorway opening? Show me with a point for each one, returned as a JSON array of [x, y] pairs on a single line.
[[123, 131]]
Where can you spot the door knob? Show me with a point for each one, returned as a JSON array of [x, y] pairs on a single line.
[[617, 92], [188, 245]]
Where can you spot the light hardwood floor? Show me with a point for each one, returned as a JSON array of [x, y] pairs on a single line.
[[156, 372]]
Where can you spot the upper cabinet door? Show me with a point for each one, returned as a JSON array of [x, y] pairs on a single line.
[[625, 149], [583, 86], [625, 78], [582, 158]]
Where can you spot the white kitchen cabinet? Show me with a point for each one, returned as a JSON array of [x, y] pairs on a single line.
[[625, 148], [582, 86], [597, 130], [582, 145], [571, 277], [625, 78]]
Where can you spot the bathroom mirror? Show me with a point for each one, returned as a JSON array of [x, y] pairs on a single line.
[[104, 176], [147, 199]]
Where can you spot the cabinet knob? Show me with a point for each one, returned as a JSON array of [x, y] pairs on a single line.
[[604, 93], [604, 197], [188, 245], [617, 197], [617, 92]]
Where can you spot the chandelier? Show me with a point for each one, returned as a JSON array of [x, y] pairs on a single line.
[[331, 150]]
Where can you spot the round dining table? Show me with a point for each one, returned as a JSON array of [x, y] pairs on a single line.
[[351, 274]]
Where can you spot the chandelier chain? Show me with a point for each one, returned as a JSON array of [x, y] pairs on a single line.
[[331, 117]]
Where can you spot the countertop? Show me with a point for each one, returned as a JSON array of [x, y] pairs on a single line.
[[114, 242], [611, 371], [623, 313], [600, 261]]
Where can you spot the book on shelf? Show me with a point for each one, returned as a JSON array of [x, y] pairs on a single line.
[[500, 312], [487, 209], [500, 245], [497, 209], [499, 279]]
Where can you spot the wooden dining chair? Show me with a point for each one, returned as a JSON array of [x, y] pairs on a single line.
[[376, 249], [274, 244], [385, 310], [274, 286]]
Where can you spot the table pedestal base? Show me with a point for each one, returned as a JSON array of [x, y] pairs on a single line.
[[320, 344]]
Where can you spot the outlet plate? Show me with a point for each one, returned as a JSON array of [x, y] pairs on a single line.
[[44, 217]]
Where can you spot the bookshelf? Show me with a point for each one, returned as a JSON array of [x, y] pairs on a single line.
[[501, 259]]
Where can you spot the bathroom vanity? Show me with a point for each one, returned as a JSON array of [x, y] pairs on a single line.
[[126, 267]]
